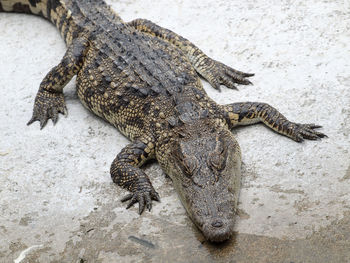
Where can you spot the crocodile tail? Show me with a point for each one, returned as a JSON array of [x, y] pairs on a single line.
[[35, 7], [55, 11]]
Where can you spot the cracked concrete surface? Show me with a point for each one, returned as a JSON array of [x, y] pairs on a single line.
[[57, 201]]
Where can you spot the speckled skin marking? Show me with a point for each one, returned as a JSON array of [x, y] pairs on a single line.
[[144, 80]]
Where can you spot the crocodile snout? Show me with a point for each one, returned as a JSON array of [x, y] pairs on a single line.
[[218, 230]]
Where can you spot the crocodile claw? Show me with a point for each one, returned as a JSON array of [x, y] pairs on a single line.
[[220, 74], [47, 106], [306, 131], [143, 198]]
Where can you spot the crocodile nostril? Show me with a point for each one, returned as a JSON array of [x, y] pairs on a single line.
[[217, 223]]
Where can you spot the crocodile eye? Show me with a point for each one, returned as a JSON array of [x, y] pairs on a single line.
[[217, 159], [190, 164]]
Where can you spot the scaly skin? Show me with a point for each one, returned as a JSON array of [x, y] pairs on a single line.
[[144, 80]]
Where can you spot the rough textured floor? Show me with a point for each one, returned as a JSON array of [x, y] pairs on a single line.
[[57, 201]]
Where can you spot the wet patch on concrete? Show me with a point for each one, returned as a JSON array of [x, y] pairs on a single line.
[[171, 242]]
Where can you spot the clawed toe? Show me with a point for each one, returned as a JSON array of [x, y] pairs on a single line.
[[238, 76], [228, 76], [143, 198], [306, 131], [218, 74], [47, 106]]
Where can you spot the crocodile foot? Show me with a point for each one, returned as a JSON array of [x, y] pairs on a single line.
[[220, 74], [144, 196], [47, 105], [305, 131]]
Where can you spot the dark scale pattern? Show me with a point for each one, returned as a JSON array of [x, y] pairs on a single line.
[[144, 80]]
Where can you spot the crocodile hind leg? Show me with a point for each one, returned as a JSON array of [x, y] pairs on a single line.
[[125, 172], [245, 113], [49, 100], [215, 72]]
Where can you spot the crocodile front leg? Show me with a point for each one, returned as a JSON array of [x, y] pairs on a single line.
[[245, 113], [215, 72], [125, 172], [49, 100]]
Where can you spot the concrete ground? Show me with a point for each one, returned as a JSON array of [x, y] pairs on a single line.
[[57, 201]]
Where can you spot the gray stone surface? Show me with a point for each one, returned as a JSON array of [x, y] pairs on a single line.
[[57, 201]]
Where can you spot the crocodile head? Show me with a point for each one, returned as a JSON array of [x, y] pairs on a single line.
[[205, 169]]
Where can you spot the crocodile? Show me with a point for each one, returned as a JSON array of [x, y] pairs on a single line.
[[145, 81]]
